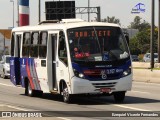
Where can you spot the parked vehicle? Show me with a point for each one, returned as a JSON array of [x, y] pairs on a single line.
[[147, 57], [134, 58], [5, 66]]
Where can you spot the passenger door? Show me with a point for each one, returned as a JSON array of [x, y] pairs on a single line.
[[52, 61], [14, 60], [57, 60], [62, 61]]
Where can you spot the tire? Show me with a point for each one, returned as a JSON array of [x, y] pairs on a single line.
[[26, 91], [119, 96], [39, 93], [29, 91], [66, 95], [32, 93], [26, 87]]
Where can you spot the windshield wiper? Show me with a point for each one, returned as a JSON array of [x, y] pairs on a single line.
[[98, 41], [110, 52]]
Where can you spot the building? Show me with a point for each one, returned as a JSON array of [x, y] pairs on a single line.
[[5, 35], [131, 32]]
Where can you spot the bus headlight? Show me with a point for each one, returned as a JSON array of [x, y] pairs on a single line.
[[127, 72], [78, 74], [81, 75]]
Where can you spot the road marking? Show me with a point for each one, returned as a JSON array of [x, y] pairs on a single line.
[[140, 92], [122, 106], [14, 107], [11, 85], [132, 108], [63, 118], [24, 109], [18, 108], [7, 85]]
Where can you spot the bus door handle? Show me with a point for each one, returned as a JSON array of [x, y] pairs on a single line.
[[56, 62]]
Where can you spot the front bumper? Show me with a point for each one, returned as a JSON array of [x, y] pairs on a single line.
[[83, 86]]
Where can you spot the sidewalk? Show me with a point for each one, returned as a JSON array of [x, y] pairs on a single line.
[[142, 73]]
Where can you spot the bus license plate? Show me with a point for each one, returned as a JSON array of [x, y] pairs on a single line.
[[105, 90]]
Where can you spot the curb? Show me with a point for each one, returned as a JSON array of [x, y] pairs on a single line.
[[146, 75]]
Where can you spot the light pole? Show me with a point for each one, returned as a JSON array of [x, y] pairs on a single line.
[[158, 31], [152, 34], [39, 11], [13, 11], [88, 10], [4, 43], [18, 13]]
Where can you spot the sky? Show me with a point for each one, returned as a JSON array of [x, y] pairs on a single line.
[[121, 9]]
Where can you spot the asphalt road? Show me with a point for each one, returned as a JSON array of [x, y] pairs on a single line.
[[143, 97]]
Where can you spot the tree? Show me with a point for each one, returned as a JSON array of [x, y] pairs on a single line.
[[111, 20], [140, 44], [137, 24], [133, 44]]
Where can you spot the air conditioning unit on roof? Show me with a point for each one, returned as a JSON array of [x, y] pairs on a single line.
[[71, 20]]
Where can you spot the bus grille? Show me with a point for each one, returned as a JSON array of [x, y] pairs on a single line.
[[104, 85]]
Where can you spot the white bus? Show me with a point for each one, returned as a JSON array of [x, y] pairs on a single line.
[[71, 57]]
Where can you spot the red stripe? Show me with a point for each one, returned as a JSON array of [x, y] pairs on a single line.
[[37, 76], [29, 75], [23, 19]]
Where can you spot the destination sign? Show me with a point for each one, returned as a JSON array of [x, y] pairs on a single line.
[[99, 33]]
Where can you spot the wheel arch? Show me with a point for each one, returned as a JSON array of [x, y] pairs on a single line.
[[62, 84]]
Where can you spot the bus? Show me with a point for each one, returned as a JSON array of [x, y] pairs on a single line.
[[71, 57]]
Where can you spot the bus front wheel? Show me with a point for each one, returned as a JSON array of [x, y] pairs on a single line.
[[119, 96]]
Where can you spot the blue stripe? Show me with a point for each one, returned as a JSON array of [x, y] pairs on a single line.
[[24, 2]]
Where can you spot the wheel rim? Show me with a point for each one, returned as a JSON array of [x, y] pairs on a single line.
[[65, 94], [29, 90]]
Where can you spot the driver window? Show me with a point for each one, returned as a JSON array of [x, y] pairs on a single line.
[[62, 51]]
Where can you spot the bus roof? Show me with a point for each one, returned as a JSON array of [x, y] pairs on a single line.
[[63, 25]]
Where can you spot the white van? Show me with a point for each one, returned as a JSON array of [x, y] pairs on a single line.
[[147, 57], [5, 66]]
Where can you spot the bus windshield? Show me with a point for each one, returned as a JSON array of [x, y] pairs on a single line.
[[99, 43]]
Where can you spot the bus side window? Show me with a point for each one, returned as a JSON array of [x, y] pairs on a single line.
[[12, 44], [43, 44], [62, 51], [26, 44], [34, 45]]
